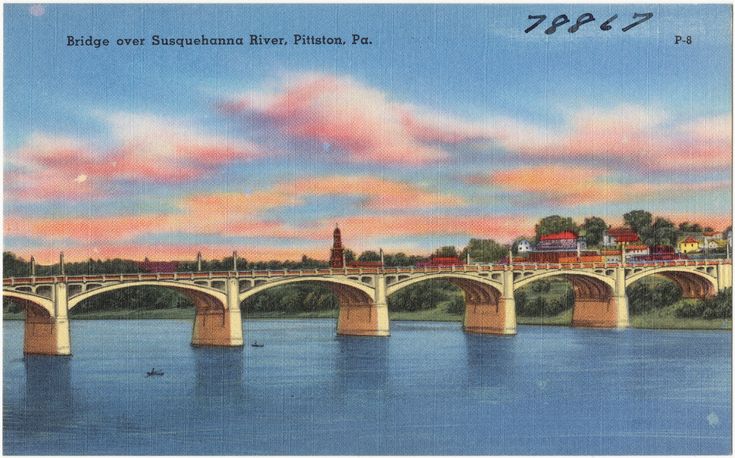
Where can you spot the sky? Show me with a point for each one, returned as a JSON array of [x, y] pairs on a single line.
[[451, 124]]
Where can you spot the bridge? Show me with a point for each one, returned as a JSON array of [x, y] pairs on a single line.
[[599, 295]]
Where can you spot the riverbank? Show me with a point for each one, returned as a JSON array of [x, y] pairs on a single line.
[[659, 319]]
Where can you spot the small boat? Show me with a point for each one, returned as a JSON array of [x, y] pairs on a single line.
[[256, 344], [153, 372]]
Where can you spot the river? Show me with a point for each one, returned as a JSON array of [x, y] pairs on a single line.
[[428, 389]]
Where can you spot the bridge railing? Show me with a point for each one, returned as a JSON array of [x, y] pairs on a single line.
[[160, 276]]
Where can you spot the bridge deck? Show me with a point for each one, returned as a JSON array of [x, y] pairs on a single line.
[[15, 281]]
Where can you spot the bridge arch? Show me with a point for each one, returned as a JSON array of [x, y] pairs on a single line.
[[203, 296], [597, 303], [487, 311], [345, 289], [33, 300], [609, 281], [460, 279], [693, 282]]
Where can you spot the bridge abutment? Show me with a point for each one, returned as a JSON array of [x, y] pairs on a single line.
[[218, 325], [46, 333]]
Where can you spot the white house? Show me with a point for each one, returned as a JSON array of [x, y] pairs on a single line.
[[524, 246]]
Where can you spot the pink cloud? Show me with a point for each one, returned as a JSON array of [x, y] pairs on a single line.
[[377, 193], [147, 148], [583, 185], [633, 135], [501, 228], [368, 126], [361, 121]]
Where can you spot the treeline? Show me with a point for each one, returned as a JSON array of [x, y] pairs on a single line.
[[137, 298], [427, 295], [543, 303], [292, 299], [719, 306], [644, 297]]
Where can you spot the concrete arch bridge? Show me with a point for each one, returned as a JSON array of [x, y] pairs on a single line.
[[599, 295]]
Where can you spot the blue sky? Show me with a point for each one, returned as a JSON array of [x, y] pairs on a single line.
[[462, 126]]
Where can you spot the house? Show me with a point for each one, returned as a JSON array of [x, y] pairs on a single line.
[[689, 245], [636, 249], [560, 241], [716, 244], [524, 246], [614, 236]]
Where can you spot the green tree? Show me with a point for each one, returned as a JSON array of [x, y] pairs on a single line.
[[553, 224], [641, 222], [14, 266], [594, 227], [369, 256], [663, 232], [686, 226], [487, 250], [446, 252]]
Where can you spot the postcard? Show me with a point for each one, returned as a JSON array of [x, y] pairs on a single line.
[[385, 229]]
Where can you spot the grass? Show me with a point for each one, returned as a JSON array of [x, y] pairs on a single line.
[[562, 319], [664, 318]]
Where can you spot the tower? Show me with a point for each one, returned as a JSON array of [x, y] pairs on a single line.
[[337, 257]]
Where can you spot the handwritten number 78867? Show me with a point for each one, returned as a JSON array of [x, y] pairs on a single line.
[[583, 19]]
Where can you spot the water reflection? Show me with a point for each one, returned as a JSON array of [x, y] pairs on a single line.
[[49, 401], [218, 374], [362, 363], [489, 361]]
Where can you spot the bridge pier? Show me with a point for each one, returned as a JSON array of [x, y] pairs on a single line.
[[494, 316], [364, 317], [217, 324], [598, 306], [724, 276], [46, 333]]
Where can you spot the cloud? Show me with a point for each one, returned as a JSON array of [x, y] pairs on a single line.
[[629, 135], [498, 227], [147, 148], [233, 213], [377, 193], [367, 126], [567, 185], [360, 121]]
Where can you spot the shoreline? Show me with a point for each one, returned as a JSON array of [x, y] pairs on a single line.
[[661, 319]]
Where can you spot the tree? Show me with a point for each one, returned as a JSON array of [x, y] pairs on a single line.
[[638, 220], [553, 224], [369, 256], [594, 228], [446, 252], [686, 226], [663, 232], [484, 250]]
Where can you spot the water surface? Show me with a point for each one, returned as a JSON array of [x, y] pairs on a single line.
[[427, 389]]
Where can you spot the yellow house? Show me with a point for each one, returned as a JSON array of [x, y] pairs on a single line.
[[688, 245]]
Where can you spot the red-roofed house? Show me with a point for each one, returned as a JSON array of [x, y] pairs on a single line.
[[617, 235], [566, 240], [689, 245]]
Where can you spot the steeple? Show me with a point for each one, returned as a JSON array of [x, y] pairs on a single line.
[[336, 259]]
